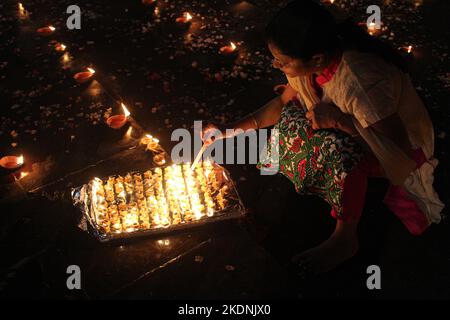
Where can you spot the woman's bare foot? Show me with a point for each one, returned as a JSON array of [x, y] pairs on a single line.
[[341, 246]]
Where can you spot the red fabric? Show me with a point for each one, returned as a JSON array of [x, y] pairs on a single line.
[[355, 187], [329, 71], [396, 199], [327, 74]]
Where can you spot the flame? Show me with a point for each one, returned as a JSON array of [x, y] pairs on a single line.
[[20, 160], [97, 181], [129, 131], [95, 184], [23, 174], [66, 57], [21, 8], [233, 46], [331, 1], [52, 28], [152, 138], [91, 70], [188, 16], [372, 26], [125, 110], [409, 49], [63, 47]]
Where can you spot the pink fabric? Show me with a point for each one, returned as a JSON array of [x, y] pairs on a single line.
[[406, 209], [396, 199]]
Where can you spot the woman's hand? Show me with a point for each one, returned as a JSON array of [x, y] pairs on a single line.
[[211, 132], [324, 116]]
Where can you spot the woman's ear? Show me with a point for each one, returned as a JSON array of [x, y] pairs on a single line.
[[318, 60]]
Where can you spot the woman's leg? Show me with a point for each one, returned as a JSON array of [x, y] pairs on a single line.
[[341, 246], [343, 243]]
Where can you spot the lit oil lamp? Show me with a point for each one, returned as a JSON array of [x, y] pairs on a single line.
[[371, 27], [151, 142], [22, 12], [66, 57], [66, 60], [186, 18], [118, 121], [159, 159], [84, 76], [46, 31], [228, 49], [11, 162], [60, 47]]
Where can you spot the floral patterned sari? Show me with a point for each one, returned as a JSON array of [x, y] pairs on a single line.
[[316, 161]]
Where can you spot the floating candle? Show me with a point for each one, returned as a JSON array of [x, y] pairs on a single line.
[[82, 77], [11, 162], [45, 31], [228, 49], [186, 18], [118, 121]]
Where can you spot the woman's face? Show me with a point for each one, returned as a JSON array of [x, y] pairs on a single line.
[[292, 67]]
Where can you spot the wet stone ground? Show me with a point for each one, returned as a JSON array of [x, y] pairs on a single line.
[[170, 75]]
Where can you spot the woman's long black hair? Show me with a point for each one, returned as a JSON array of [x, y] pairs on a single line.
[[304, 28]]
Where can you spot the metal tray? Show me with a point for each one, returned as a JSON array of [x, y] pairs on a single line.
[[175, 201]]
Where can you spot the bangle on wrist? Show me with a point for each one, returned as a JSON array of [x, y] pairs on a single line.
[[255, 121]]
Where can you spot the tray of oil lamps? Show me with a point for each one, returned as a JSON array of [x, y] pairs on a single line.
[[158, 200]]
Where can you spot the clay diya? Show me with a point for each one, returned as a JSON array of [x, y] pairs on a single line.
[[82, 77], [11, 162]]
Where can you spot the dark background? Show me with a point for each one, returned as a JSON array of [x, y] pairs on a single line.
[[170, 76]]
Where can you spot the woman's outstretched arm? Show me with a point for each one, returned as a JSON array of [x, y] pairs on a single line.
[[269, 114], [266, 116]]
